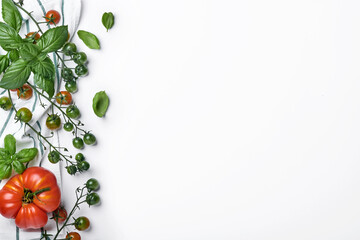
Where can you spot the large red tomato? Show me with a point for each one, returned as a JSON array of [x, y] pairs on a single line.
[[29, 196]]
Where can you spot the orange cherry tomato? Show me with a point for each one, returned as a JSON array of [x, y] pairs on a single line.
[[64, 98], [52, 17], [73, 236], [25, 92]]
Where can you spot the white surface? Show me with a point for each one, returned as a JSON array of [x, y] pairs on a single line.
[[229, 119]]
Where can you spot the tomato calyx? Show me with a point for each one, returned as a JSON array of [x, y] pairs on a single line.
[[29, 195]]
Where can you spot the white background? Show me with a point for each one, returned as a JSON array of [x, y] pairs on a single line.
[[229, 119]]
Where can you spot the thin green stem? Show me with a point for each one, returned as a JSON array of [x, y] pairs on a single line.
[[39, 133], [57, 106], [76, 205], [29, 14]]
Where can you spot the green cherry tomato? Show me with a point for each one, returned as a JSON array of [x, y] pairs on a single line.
[[73, 112], [24, 115], [89, 139], [92, 199], [79, 157], [67, 74], [53, 122], [82, 223], [92, 184], [80, 58], [81, 70], [68, 127], [78, 143], [69, 49], [54, 157], [83, 166], [71, 86], [5, 103], [71, 169]]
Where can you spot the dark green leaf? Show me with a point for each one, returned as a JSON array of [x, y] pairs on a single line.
[[44, 68], [5, 171], [9, 38], [4, 63], [16, 75], [4, 154], [11, 14], [18, 166], [26, 155], [89, 39], [108, 20], [10, 144], [53, 39], [100, 103], [14, 55], [31, 53], [45, 84]]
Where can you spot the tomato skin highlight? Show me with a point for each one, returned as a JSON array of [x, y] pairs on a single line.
[[30, 212]]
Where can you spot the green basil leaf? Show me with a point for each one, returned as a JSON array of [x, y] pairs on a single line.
[[31, 53], [5, 171], [4, 63], [26, 155], [10, 144], [9, 38], [11, 14], [53, 39], [16, 75], [44, 68], [4, 154], [100, 103], [46, 84], [108, 20], [14, 55], [18, 166], [89, 39]]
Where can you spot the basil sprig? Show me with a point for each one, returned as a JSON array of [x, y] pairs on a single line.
[[10, 160], [25, 57]]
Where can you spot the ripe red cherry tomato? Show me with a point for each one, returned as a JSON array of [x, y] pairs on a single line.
[[64, 98], [29, 196], [73, 236], [52, 17], [25, 92]]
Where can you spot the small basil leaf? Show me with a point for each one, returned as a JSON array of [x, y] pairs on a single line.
[[31, 53], [9, 36], [4, 63], [53, 39], [18, 166], [108, 20], [44, 68], [89, 39], [26, 155], [5, 171], [10, 144], [4, 154], [100, 103], [16, 75], [11, 14], [46, 84], [14, 55]]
